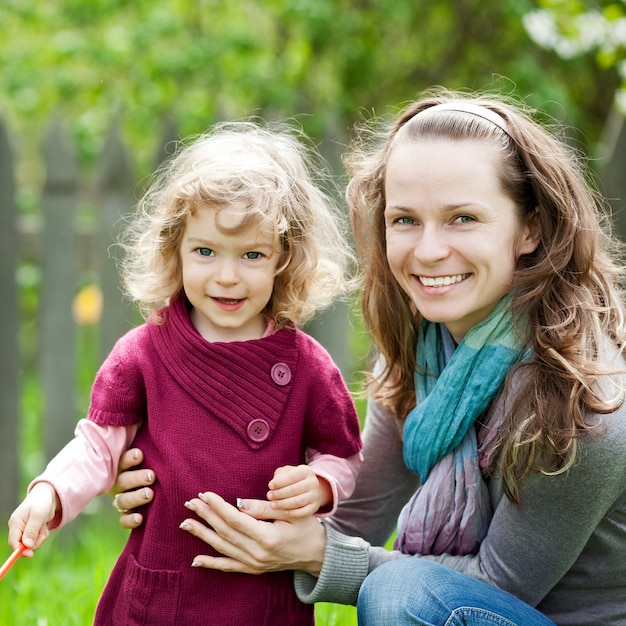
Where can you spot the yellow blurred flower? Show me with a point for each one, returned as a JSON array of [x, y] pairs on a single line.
[[87, 305]]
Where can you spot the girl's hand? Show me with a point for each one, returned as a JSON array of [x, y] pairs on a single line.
[[28, 524], [298, 491], [128, 490], [249, 543]]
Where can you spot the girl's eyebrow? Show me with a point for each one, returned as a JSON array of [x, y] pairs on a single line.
[[202, 239], [247, 245]]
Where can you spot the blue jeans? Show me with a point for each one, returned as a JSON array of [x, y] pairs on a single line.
[[416, 591]]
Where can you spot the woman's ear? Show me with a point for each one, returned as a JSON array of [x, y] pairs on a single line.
[[531, 235]]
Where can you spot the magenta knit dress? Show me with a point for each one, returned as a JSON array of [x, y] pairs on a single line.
[[219, 417]]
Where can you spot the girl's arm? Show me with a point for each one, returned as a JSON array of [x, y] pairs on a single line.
[[28, 524], [315, 488], [86, 467]]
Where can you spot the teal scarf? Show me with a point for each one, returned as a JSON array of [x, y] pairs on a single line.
[[438, 433]]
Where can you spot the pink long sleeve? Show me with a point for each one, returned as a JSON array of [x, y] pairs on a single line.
[[340, 474], [86, 466]]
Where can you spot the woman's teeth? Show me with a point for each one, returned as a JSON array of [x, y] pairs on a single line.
[[441, 281]]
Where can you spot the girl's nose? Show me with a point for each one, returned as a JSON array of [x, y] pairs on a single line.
[[227, 273]]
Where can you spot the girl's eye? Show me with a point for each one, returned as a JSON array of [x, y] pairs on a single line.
[[204, 251], [404, 220], [252, 255]]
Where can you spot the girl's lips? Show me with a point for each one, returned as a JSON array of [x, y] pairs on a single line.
[[441, 281], [227, 300], [230, 304]]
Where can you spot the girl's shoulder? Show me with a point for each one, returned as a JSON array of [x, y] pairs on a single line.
[[134, 340], [311, 352]]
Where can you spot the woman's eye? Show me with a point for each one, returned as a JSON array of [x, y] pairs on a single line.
[[464, 219], [253, 255], [404, 220], [204, 251]]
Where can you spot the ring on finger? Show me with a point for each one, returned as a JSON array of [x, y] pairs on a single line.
[[116, 506]]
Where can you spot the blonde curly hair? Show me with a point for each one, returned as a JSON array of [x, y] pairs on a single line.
[[273, 171]]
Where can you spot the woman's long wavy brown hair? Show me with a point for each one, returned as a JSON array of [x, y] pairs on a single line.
[[569, 289]]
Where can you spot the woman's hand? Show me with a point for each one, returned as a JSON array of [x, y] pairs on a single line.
[[128, 488], [249, 543]]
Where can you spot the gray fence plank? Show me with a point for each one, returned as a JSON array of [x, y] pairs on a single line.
[[9, 324], [58, 258], [332, 327], [115, 190], [613, 169]]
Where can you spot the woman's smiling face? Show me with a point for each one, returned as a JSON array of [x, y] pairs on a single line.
[[453, 236]]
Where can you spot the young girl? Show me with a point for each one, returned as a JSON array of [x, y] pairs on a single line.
[[231, 247]]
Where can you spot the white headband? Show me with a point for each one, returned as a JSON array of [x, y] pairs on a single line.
[[468, 107]]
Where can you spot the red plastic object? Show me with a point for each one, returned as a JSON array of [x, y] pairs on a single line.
[[8, 564]]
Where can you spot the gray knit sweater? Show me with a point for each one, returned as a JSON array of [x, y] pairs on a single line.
[[562, 550]]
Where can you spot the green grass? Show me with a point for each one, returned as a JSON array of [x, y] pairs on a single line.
[[61, 585]]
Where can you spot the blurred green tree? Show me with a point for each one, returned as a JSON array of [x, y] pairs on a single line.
[[579, 28], [326, 62]]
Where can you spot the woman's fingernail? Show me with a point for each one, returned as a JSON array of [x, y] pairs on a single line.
[[146, 494], [184, 526], [135, 454], [136, 520], [242, 505], [149, 477], [195, 564], [189, 505]]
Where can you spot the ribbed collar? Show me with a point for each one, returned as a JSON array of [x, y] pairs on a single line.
[[231, 380]]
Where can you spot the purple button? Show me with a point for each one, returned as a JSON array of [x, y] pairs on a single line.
[[281, 374], [258, 430]]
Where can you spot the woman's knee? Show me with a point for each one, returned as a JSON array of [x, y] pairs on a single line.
[[419, 592], [391, 590]]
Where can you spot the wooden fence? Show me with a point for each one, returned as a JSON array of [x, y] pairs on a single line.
[[52, 242], [56, 243]]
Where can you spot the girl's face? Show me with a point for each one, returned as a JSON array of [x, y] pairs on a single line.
[[453, 236], [228, 276]]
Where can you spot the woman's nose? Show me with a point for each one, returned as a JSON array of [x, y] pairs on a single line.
[[431, 246]]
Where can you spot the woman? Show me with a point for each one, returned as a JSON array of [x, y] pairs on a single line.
[[496, 430]]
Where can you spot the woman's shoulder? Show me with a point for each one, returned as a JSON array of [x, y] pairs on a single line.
[[605, 442], [610, 387]]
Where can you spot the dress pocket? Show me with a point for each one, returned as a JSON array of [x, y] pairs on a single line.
[[149, 597]]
